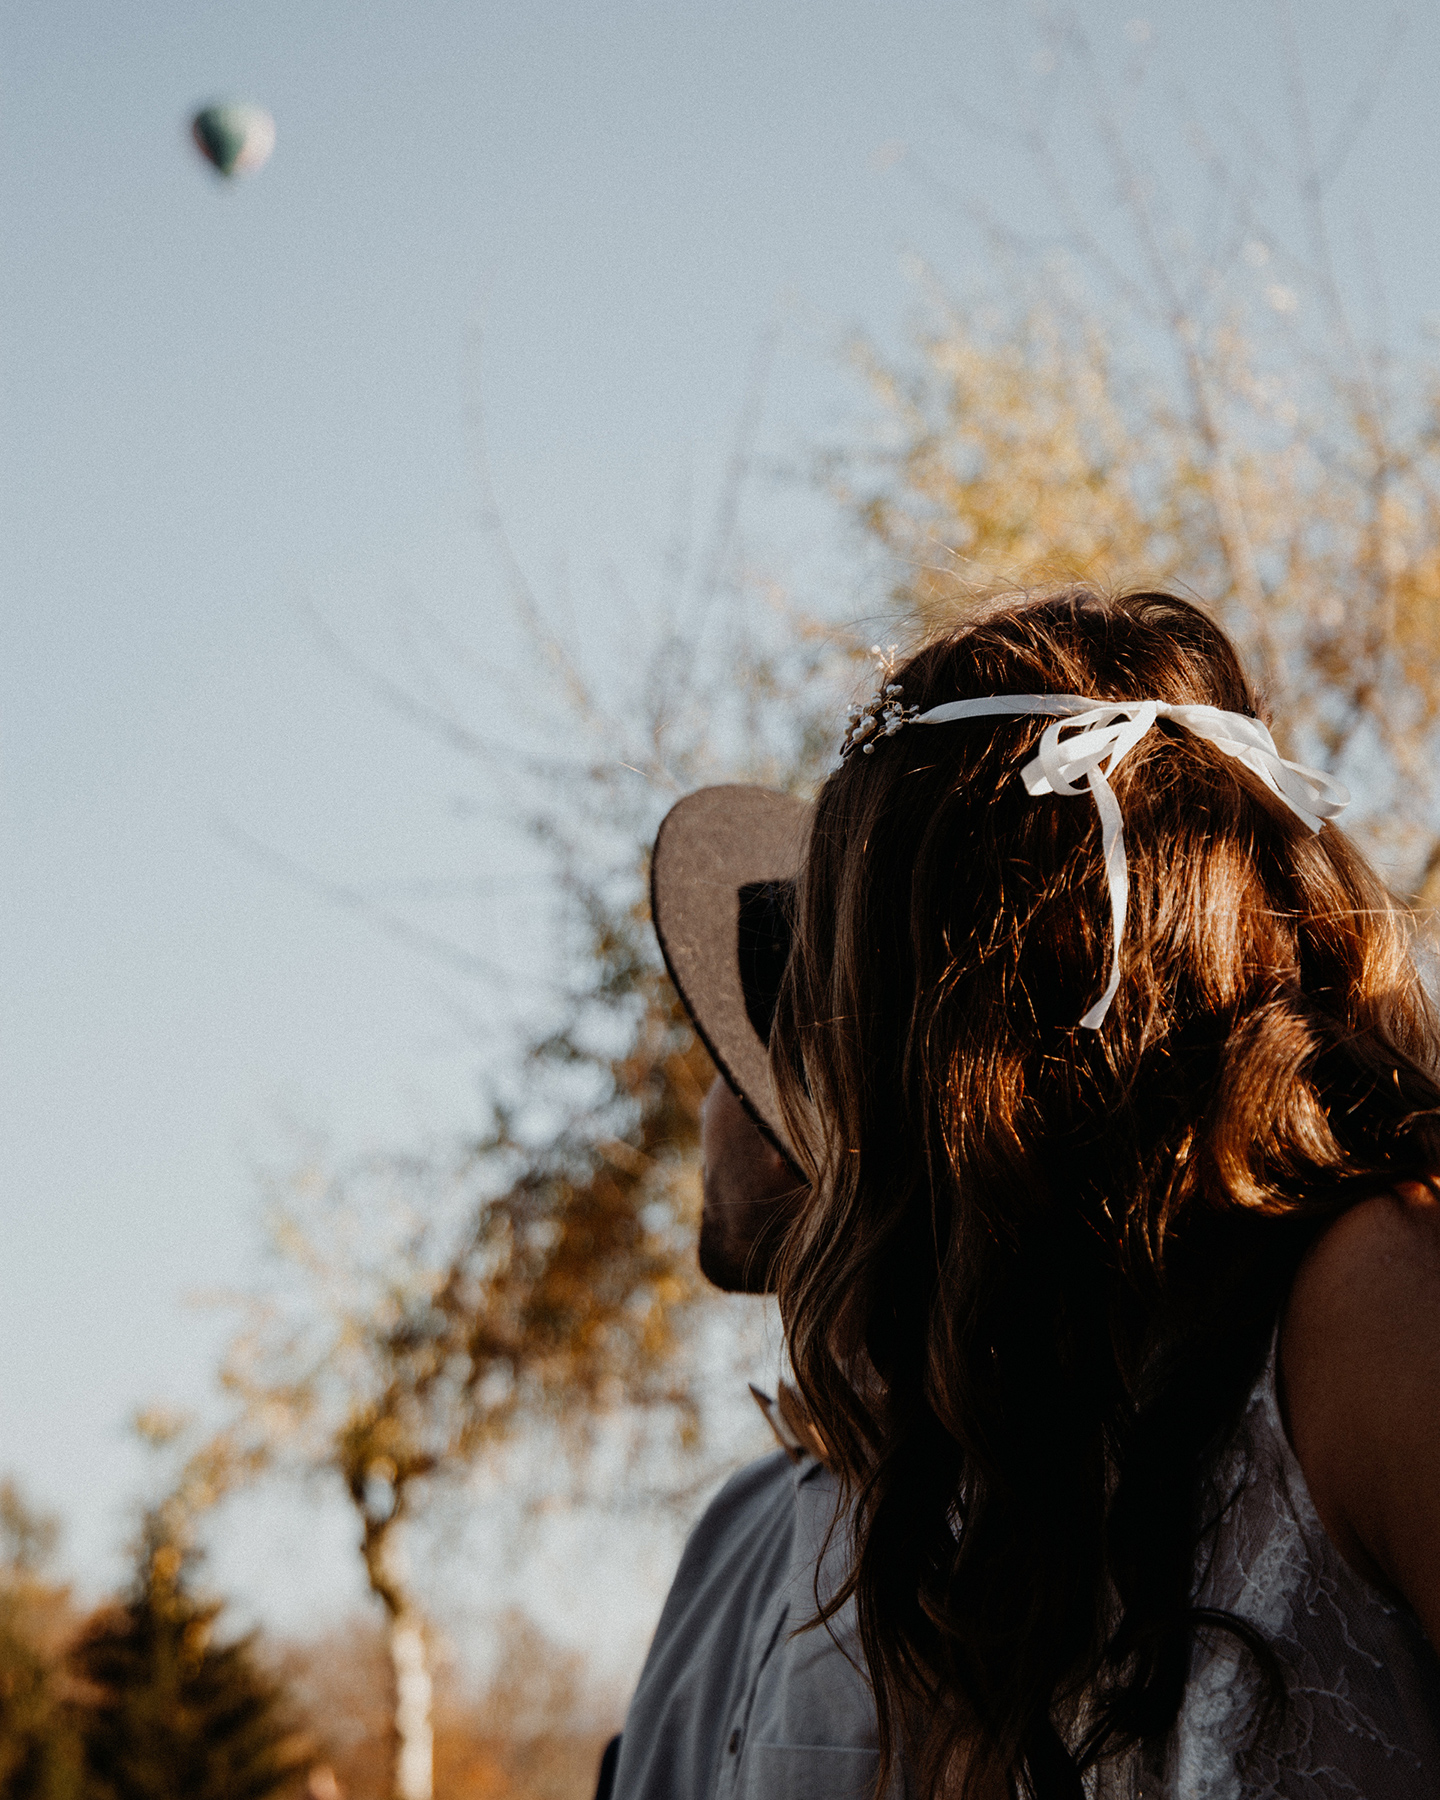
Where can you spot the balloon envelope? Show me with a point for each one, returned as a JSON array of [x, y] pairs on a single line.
[[236, 139]]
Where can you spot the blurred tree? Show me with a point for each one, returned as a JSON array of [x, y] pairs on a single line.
[[438, 1309], [39, 1740], [1192, 408], [172, 1710], [28, 1539], [431, 1313], [1026, 450], [533, 1731]]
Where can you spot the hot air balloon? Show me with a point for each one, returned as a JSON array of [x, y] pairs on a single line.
[[235, 138]]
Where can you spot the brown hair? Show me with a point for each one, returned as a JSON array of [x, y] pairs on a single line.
[[1042, 1264]]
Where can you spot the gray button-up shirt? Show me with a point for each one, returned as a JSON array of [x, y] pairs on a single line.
[[735, 1702]]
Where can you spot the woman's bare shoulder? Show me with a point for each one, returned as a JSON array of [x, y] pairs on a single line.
[[1360, 1389], [1390, 1244]]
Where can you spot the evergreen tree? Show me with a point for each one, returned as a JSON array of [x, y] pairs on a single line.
[[176, 1714], [39, 1742], [39, 1745]]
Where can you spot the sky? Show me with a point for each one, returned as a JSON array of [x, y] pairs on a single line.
[[243, 423]]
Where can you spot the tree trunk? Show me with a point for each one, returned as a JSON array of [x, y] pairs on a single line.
[[414, 1737], [414, 1774]]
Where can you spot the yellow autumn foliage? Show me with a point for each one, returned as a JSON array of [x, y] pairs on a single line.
[[1296, 496]]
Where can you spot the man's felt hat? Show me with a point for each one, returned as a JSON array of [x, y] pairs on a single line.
[[722, 884]]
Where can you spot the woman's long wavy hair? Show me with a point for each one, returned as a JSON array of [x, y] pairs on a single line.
[[1042, 1265]]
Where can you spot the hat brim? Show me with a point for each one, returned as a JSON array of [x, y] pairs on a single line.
[[713, 847]]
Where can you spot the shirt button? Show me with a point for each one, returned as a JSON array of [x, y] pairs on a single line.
[[734, 1740]]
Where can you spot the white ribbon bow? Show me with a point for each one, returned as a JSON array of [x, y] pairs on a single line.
[[1106, 731]]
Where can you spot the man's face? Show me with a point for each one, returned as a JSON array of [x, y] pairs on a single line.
[[750, 1196]]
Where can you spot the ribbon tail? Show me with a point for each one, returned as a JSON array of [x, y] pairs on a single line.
[[1117, 873]]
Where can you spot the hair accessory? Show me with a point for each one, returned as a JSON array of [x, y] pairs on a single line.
[[881, 717], [1105, 731]]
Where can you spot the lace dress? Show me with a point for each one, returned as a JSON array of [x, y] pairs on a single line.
[[1362, 1710]]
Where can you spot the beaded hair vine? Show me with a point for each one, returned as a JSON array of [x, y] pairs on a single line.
[[881, 717]]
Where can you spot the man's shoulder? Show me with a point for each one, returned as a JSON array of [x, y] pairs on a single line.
[[760, 1495], [720, 1644], [722, 1611], [760, 1480]]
